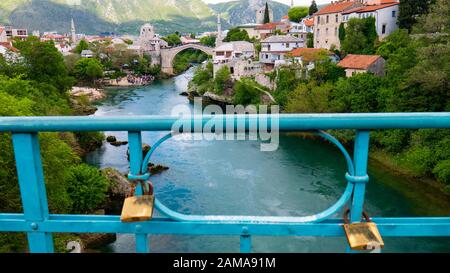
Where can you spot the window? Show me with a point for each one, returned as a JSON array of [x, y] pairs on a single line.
[[326, 31], [335, 31], [383, 30], [318, 32], [287, 45], [337, 18], [328, 17], [318, 19], [393, 13]]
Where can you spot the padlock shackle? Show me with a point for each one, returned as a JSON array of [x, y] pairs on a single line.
[[347, 212]]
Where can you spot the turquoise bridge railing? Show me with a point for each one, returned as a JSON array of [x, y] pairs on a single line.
[[39, 224]]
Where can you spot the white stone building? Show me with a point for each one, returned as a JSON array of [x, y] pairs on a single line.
[[301, 29], [385, 14], [274, 49]]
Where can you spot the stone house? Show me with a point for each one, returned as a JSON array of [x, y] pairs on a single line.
[[385, 13], [274, 49], [354, 64]]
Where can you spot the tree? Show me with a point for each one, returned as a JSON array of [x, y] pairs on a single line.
[[310, 40], [246, 91], [236, 34], [266, 14], [360, 36], [437, 20], [88, 69], [313, 8], [44, 63], [203, 75], [326, 70], [208, 41], [221, 79], [172, 39], [342, 32], [296, 14], [310, 98], [409, 11], [82, 45]]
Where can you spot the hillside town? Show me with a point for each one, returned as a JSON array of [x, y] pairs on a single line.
[[282, 43]]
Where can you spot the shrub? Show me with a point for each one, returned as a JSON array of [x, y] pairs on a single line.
[[87, 188], [442, 171]]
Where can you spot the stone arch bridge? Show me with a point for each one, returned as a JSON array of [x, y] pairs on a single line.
[[168, 54]]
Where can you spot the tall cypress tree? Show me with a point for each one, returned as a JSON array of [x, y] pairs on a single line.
[[313, 8], [266, 14]]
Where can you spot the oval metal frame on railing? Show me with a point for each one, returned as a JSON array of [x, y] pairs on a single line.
[[321, 216]]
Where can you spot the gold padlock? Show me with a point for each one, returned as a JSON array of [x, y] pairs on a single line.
[[363, 235], [138, 208]]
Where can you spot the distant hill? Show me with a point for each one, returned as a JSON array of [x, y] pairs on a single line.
[[242, 12], [126, 16]]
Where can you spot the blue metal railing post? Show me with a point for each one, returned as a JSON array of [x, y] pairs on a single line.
[[245, 241], [136, 158], [32, 190], [360, 157]]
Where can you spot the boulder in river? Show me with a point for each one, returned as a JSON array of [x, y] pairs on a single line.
[[145, 149], [111, 139], [117, 192], [118, 143]]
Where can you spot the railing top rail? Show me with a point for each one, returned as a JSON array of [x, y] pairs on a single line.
[[287, 122]]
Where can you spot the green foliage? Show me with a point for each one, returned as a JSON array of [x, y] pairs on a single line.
[[88, 69], [266, 14], [410, 10], [89, 141], [296, 14], [44, 64], [360, 36], [310, 40], [442, 171], [437, 20], [310, 98], [313, 8], [236, 34], [184, 59], [325, 71], [87, 188], [342, 32], [172, 39], [203, 74], [357, 94], [420, 160], [222, 79], [286, 82], [208, 41], [82, 45], [247, 91]]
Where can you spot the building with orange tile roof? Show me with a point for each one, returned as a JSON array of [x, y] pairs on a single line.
[[354, 64]]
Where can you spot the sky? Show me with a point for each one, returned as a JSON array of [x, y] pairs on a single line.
[[287, 2]]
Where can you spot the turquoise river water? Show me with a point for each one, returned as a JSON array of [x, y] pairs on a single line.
[[301, 178]]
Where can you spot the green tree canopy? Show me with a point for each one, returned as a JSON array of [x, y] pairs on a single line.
[[296, 14], [409, 11], [88, 69], [360, 36], [221, 79], [236, 34], [313, 8], [82, 45], [208, 41], [172, 39]]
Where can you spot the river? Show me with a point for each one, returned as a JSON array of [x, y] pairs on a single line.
[[302, 177]]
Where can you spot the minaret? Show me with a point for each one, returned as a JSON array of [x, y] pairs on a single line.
[[72, 30], [292, 3], [219, 32]]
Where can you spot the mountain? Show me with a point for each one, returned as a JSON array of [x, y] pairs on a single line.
[[244, 11], [126, 16]]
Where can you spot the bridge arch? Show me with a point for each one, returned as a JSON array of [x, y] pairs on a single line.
[[168, 54]]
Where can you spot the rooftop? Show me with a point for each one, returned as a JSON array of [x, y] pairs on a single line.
[[338, 7], [281, 39], [236, 46], [369, 8], [272, 25], [358, 61]]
